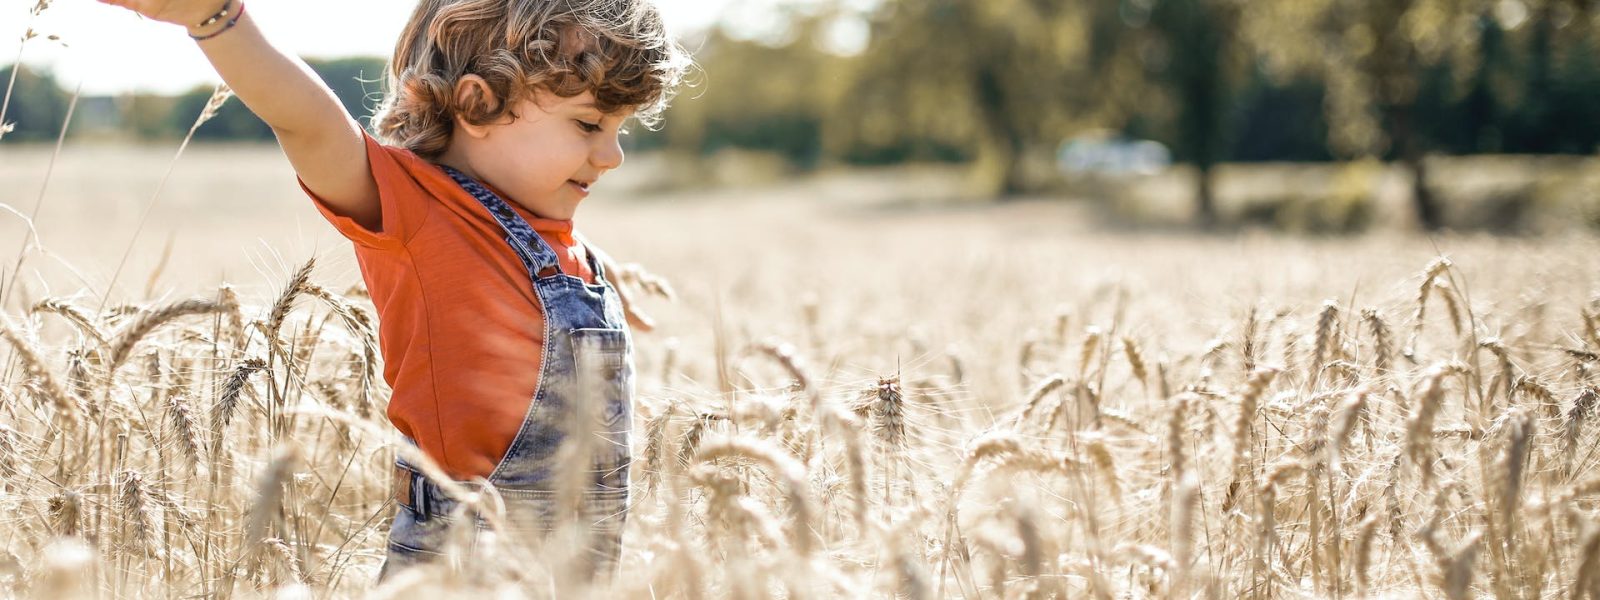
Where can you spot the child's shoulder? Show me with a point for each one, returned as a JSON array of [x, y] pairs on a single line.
[[402, 156], [408, 188]]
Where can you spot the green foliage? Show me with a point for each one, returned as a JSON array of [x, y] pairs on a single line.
[[149, 116], [996, 78], [755, 96], [999, 84], [233, 122], [355, 81], [37, 108], [1279, 122]]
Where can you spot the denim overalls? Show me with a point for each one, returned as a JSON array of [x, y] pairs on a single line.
[[587, 359]]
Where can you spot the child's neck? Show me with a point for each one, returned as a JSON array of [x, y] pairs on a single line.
[[454, 158]]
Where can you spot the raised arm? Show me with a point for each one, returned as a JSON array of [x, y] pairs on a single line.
[[321, 140]]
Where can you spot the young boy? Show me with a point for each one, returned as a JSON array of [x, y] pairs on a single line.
[[502, 114]]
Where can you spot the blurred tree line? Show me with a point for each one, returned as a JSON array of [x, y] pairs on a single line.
[[39, 104], [1000, 84]]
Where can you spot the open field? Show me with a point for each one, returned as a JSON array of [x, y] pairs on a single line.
[[854, 395]]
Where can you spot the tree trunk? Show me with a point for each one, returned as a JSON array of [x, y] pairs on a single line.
[[1392, 69], [1205, 196], [1013, 181], [1427, 206], [1006, 140], [1428, 212], [1200, 33], [1540, 85]]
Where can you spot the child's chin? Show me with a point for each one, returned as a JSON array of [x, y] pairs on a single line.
[[565, 213]]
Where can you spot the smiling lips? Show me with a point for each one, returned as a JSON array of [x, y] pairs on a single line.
[[583, 187]]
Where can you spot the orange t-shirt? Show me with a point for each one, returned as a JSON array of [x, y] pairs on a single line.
[[460, 327]]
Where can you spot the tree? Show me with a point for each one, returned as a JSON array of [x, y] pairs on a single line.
[[769, 95], [36, 108], [1556, 84], [1004, 76], [355, 81], [1200, 64], [1372, 54]]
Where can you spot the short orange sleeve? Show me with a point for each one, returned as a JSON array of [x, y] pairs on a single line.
[[405, 204]]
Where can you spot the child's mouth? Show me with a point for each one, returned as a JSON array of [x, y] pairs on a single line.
[[582, 187]]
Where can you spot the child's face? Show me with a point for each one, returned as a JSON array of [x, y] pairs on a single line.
[[548, 155]]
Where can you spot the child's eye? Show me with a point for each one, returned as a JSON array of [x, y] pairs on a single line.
[[587, 126]]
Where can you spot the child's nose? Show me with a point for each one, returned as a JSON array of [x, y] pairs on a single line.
[[608, 154]]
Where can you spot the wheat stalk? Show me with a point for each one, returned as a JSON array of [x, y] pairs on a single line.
[[1429, 275], [1419, 430], [1383, 347], [1136, 363], [123, 344], [33, 365], [889, 416], [178, 414], [298, 284], [73, 315], [228, 401], [65, 508], [135, 512], [1327, 334], [218, 98], [789, 472]]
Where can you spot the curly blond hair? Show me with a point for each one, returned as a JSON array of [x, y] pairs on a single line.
[[618, 49]]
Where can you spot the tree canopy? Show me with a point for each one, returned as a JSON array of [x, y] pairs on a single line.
[[1000, 84]]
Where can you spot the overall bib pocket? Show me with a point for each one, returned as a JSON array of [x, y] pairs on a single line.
[[604, 369]]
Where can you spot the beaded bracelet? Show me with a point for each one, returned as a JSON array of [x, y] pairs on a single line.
[[227, 6], [225, 26]]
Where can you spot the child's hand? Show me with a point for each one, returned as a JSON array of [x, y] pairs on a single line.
[[187, 13]]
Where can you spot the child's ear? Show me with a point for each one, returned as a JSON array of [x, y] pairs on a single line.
[[474, 101]]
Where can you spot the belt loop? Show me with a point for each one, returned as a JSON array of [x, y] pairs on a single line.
[[424, 499], [419, 494]]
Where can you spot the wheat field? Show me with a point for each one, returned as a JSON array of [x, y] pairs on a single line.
[[854, 392], [846, 398]]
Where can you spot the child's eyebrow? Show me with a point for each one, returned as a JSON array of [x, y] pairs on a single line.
[[592, 106], [588, 106]]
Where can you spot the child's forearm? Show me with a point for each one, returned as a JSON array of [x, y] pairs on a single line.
[[278, 87], [319, 137], [322, 142]]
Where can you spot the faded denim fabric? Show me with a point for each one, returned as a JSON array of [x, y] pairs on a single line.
[[587, 358]]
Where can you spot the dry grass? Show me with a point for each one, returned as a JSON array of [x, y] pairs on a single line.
[[1294, 452], [1382, 456], [844, 401]]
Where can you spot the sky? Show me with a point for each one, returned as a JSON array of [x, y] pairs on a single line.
[[109, 50]]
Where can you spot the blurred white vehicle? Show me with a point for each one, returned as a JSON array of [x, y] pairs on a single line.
[[1108, 153]]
